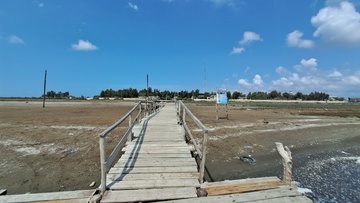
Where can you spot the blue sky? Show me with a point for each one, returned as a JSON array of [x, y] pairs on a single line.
[[88, 46]]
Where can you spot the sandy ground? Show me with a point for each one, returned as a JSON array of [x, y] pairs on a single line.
[[56, 148]]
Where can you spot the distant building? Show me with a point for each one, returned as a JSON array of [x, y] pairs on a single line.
[[354, 100]]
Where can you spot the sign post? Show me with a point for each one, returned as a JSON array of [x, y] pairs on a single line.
[[221, 99]]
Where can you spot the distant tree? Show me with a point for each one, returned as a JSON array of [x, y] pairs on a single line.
[[299, 95], [207, 94], [236, 95], [274, 94], [228, 94], [102, 93], [286, 95]]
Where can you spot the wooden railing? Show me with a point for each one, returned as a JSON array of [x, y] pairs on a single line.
[[107, 161], [182, 111]]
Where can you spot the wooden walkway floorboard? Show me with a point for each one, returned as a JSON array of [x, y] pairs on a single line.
[[156, 165]]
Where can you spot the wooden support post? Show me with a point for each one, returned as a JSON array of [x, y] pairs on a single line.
[[217, 111], [130, 138], [103, 164], [139, 119], [227, 112], [203, 158], [287, 161], [184, 116]]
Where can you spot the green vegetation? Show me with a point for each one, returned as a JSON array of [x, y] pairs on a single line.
[[183, 95]]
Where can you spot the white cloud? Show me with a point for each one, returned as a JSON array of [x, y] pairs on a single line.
[[257, 80], [333, 82], [15, 40], [335, 75], [249, 37], [237, 50], [84, 46], [294, 40], [282, 71], [244, 82], [338, 25], [257, 83], [133, 6], [307, 66]]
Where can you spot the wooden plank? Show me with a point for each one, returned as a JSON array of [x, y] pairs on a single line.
[[159, 151], [264, 196], [149, 195], [156, 159], [156, 144], [241, 188], [154, 170], [139, 176], [239, 181], [51, 196], [153, 184], [145, 163], [146, 156]]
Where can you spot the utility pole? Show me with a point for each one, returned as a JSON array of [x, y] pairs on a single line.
[[44, 89], [147, 87], [204, 77]]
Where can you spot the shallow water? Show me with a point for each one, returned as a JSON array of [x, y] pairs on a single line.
[[331, 175]]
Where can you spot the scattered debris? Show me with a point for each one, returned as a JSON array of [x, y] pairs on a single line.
[[248, 159], [73, 151], [92, 184]]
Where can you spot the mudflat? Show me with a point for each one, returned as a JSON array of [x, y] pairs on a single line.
[[56, 148]]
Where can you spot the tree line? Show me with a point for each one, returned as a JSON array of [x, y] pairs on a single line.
[[167, 95], [58, 95]]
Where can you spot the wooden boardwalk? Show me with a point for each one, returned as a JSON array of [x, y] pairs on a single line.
[[156, 165]]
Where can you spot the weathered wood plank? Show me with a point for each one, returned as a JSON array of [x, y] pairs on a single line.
[[145, 156], [239, 181], [151, 147], [139, 176], [153, 183], [155, 159], [79, 195], [154, 170], [156, 144], [159, 151], [265, 196], [145, 163], [149, 195], [241, 188]]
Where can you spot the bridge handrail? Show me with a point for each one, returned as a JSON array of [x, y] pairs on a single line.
[[107, 162], [201, 153]]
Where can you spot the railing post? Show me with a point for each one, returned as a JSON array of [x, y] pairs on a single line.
[[287, 161], [203, 157], [130, 137], [139, 119], [184, 115], [103, 163]]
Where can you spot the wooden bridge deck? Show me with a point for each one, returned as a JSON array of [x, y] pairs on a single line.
[[156, 165]]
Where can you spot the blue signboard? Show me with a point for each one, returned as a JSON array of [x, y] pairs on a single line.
[[221, 97]]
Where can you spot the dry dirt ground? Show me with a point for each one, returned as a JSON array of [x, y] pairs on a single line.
[[56, 148]]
